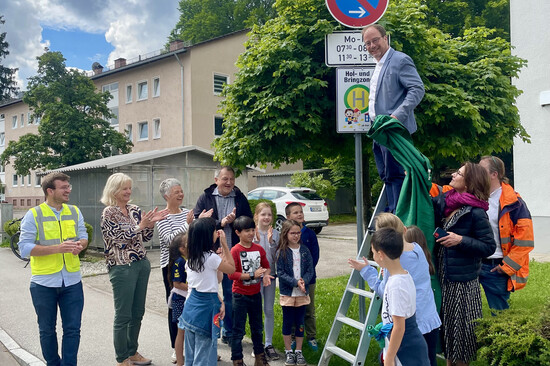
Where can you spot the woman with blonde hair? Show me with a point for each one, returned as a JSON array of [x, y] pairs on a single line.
[[125, 228]]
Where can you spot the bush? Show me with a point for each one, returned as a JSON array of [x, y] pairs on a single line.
[[90, 231], [12, 226], [322, 186], [515, 337], [254, 203]]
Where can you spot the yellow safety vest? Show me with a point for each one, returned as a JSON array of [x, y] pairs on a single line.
[[50, 231]]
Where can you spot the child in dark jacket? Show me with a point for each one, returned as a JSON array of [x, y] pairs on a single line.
[[295, 271]]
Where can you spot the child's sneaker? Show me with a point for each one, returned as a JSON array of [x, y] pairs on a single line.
[[271, 353], [300, 360], [290, 359], [313, 344]]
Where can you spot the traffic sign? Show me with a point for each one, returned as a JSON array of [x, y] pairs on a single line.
[[357, 13], [352, 105], [346, 48]]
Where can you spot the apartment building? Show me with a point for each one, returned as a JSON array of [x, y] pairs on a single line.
[[161, 100]]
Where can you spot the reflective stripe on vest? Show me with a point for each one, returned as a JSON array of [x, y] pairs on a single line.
[[51, 231]]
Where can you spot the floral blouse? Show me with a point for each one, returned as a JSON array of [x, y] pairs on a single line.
[[122, 236]]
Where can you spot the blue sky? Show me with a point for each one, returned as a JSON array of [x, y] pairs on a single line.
[[84, 31], [80, 49]]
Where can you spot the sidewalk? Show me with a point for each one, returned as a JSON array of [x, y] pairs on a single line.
[[6, 359]]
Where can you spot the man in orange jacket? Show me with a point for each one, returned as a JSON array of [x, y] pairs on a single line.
[[508, 268]]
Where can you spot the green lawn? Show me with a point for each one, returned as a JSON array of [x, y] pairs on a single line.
[[329, 293]]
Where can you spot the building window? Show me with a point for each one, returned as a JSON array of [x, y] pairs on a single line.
[[114, 120], [143, 128], [156, 128], [219, 81], [14, 181], [156, 87], [22, 202], [29, 202], [22, 119], [37, 120], [29, 182], [128, 93], [29, 118], [142, 91], [218, 126], [129, 133], [14, 202], [14, 122], [37, 202], [2, 169], [2, 138], [38, 180], [22, 180]]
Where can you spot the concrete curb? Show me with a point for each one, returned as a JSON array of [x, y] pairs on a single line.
[[22, 356]]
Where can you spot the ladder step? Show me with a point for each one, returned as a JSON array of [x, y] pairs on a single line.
[[341, 353], [360, 292], [351, 322]]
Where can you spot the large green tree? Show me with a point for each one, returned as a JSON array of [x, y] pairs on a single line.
[[456, 16], [281, 106], [201, 20], [8, 86], [73, 127]]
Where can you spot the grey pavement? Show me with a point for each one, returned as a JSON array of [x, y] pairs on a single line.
[[19, 330]]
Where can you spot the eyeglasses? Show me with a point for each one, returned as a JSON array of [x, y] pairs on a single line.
[[459, 173], [65, 188], [374, 41], [295, 233]]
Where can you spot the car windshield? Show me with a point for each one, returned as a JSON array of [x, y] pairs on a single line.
[[306, 195]]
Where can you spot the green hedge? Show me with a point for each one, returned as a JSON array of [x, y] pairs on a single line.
[[515, 337], [254, 203]]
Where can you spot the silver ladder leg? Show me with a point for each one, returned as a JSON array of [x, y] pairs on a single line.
[[355, 287]]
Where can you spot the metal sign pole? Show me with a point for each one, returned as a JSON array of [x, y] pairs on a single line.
[[359, 211]]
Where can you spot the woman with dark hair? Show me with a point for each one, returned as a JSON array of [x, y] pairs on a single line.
[[200, 317], [461, 212]]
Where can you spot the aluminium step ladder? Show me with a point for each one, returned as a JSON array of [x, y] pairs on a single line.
[[356, 286]]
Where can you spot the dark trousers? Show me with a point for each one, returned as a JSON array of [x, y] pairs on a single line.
[[71, 302], [172, 327], [390, 172], [227, 288], [294, 317], [495, 285], [244, 305], [431, 341]]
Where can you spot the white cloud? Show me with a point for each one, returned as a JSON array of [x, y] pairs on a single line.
[[133, 27]]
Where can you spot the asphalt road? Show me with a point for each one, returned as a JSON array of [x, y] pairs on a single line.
[[18, 320]]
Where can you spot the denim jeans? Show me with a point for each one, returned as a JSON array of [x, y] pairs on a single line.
[[227, 289], [199, 349], [71, 302], [172, 327], [495, 285], [129, 292], [390, 172], [244, 305]]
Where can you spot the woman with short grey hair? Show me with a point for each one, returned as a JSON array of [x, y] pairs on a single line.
[[176, 222]]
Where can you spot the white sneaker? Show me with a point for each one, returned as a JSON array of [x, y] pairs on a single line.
[[174, 358]]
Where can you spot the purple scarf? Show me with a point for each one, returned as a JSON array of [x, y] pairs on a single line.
[[455, 200]]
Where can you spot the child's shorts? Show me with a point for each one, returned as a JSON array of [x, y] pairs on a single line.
[[177, 309]]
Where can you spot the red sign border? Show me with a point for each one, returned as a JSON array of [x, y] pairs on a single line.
[[355, 22]]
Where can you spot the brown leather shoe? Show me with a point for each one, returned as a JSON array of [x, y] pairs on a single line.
[[126, 362], [138, 359], [238, 363], [260, 360]]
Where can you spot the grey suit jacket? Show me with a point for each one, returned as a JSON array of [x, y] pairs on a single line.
[[399, 89]]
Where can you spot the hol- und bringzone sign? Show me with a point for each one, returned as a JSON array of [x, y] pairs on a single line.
[[357, 13]]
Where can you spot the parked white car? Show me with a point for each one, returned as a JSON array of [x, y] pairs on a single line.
[[315, 208]]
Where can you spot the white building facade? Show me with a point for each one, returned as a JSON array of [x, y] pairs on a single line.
[[530, 35]]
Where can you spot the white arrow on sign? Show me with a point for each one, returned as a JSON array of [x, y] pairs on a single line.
[[361, 12]]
